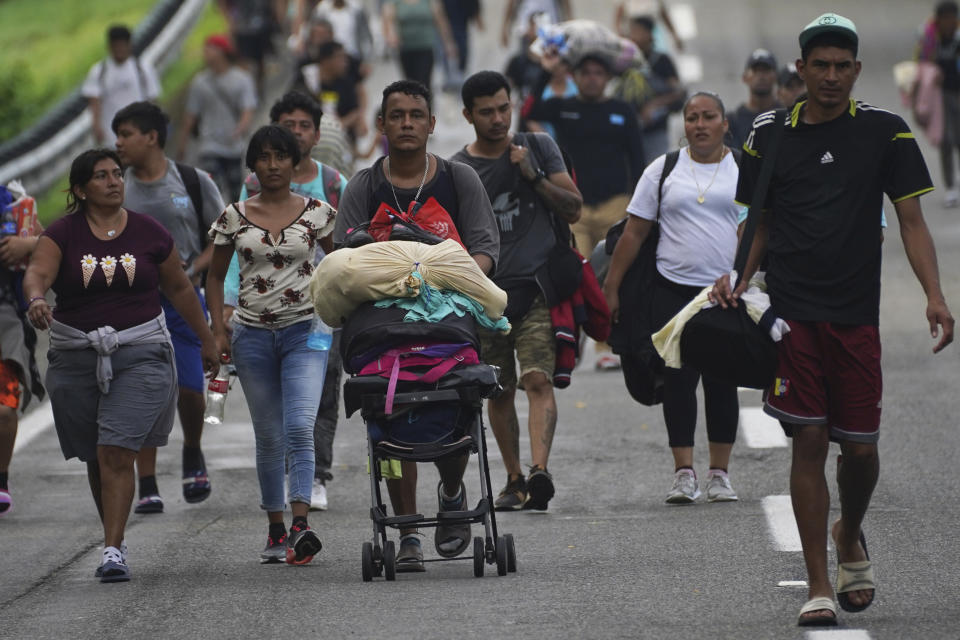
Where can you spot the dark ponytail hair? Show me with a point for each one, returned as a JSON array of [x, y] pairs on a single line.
[[81, 172]]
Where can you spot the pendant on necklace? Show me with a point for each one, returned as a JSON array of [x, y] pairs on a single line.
[[700, 199]]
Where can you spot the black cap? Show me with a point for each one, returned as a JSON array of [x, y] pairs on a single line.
[[788, 73], [761, 57]]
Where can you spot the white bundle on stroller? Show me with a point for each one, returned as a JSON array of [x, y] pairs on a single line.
[[349, 277], [577, 39]]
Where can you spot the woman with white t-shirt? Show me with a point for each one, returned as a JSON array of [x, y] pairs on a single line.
[[698, 241]]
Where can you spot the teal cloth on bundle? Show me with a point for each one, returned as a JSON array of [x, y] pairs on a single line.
[[433, 305]]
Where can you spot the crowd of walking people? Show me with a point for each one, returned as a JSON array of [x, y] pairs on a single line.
[[163, 273]]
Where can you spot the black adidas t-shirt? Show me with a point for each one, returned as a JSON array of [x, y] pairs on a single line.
[[826, 191]]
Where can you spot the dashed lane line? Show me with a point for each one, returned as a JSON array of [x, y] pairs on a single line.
[[780, 521], [839, 634]]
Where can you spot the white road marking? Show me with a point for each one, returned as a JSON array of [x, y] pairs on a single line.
[[31, 426], [760, 431], [782, 525], [792, 583], [839, 634]]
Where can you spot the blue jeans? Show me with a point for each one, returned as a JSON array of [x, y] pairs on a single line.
[[282, 380]]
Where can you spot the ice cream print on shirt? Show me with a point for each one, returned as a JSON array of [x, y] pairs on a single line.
[[108, 264]]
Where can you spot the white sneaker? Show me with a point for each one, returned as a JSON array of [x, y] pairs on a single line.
[[951, 198], [684, 489], [318, 497], [719, 488]]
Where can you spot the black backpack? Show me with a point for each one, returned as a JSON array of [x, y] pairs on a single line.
[[642, 366]]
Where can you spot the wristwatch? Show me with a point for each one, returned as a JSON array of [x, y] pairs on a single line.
[[540, 175]]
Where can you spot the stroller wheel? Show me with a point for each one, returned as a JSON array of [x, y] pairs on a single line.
[[389, 560], [367, 557], [511, 553], [501, 556], [479, 557]]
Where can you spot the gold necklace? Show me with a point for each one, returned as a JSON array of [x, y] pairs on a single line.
[[701, 193]]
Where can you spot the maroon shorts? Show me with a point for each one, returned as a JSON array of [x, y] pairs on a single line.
[[829, 374]]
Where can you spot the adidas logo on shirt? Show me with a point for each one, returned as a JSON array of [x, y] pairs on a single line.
[[826, 157]]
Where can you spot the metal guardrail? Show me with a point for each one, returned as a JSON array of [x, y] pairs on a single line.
[[43, 153]]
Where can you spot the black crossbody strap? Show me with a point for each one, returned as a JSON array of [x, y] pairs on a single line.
[[759, 194], [669, 162]]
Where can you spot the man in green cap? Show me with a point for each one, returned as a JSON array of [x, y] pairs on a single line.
[[819, 232]]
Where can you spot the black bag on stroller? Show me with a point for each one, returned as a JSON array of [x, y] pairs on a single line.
[[425, 422]]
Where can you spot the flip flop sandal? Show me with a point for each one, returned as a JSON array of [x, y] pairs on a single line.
[[6, 503], [818, 604], [855, 576], [410, 556], [149, 504], [196, 486]]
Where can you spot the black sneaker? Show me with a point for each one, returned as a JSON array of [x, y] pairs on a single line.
[[275, 551], [513, 495], [539, 489], [302, 545]]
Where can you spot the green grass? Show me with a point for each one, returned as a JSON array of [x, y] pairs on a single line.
[[48, 48], [175, 81]]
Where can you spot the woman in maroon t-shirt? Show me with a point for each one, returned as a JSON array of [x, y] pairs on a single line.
[[111, 379]]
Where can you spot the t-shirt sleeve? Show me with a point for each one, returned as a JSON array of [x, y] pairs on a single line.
[[194, 97], [91, 85], [231, 282], [248, 96], [226, 226], [664, 67], [152, 81], [750, 162], [549, 156], [906, 174], [645, 198], [59, 232], [212, 200], [475, 222], [322, 217], [162, 241], [354, 205]]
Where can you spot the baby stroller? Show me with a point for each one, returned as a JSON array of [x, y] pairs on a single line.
[[422, 413]]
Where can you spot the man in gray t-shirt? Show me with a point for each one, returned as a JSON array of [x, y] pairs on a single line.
[[532, 195], [409, 175], [220, 104], [156, 186]]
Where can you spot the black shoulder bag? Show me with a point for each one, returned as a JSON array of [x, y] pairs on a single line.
[[642, 366], [726, 343], [560, 276]]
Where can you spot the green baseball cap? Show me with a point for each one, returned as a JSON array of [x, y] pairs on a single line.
[[830, 23]]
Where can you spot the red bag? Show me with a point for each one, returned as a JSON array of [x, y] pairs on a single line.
[[429, 216]]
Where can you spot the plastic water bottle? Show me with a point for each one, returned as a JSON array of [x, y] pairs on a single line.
[[8, 223], [217, 395], [320, 336]]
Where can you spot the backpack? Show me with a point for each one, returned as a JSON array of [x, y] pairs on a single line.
[[191, 182], [642, 366]]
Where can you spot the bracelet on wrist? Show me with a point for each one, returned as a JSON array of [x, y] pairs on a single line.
[[34, 299]]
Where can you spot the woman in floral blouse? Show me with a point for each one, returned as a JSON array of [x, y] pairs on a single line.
[[275, 235]]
